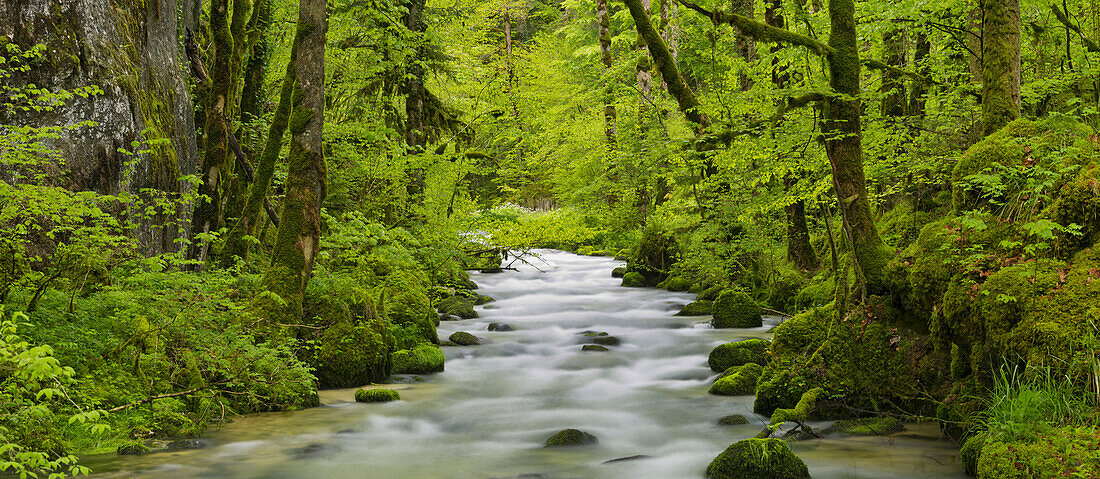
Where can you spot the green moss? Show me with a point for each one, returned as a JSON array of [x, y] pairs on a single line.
[[406, 302], [757, 459], [783, 290], [802, 331], [737, 381], [970, 452], [777, 389], [423, 359], [710, 294], [350, 355], [697, 308], [868, 426], [132, 448], [801, 410], [462, 338], [571, 438], [738, 353], [735, 309], [733, 420], [618, 272], [376, 395], [1065, 452], [815, 294], [676, 283], [1079, 203], [633, 279], [1008, 146], [457, 306]]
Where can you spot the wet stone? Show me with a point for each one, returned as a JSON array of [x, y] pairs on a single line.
[[500, 327]]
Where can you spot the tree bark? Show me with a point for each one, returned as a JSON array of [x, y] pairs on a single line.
[[670, 74], [891, 84], [1000, 63], [843, 144], [643, 68], [298, 239], [917, 92], [744, 45]]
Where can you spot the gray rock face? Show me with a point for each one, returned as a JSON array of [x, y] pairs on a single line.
[[130, 50]]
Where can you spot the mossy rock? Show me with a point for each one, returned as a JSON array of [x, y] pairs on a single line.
[[732, 420], [868, 426], [132, 448], [618, 272], [783, 290], [482, 299], [595, 348], [815, 294], [1064, 452], [633, 279], [457, 306], [676, 284], [423, 359], [777, 389], [1078, 202], [405, 302], [376, 395], [710, 294], [758, 459], [737, 381], [457, 279], [571, 438], [801, 332], [501, 327], [735, 309], [700, 307], [738, 353], [349, 355], [1007, 146], [462, 338]]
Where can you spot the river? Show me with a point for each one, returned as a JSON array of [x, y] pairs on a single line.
[[489, 413]]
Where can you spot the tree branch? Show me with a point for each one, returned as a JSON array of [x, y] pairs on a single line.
[[760, 31], [1089, 44]]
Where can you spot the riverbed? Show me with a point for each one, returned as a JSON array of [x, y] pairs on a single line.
[[490, 412]]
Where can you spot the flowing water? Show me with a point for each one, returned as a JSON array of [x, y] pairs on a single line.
[[491, 411]]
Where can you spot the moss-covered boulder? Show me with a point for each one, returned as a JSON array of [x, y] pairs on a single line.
[[1078, 202], [676, 283], [482, 299], [423, 359], [738, 353], [700, 307], [867, 426], [758, 459], [710, 294], [1064, 452], [594, 348], [350, 355], [405, 302], [376, 395], [801, 332], [633, 279], [462, 338], [777, 389], [618, 272], [735, 309], [571, 438], [737, 381], [1008, 146], [457, 306]]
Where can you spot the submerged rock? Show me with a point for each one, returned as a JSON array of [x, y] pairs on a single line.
[[618, 272], [500, 327], [311, 451], [594, 348], [758, 459], [868, 426], [732, 420], [606, 340], [570, 438], [187, 444], [482, 299], [377, 395], [462, 338], [627, 458], [735, 309], [457, 306], [738, 353]]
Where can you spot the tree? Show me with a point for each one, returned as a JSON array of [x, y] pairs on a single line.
[[298, 240], [1000, 63]]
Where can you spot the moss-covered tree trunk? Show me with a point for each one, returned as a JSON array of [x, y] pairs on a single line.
[[235, 244], [1000, 63], [609, 114], [208, 213], [744, 45], [645, 78], [891, 85], [670, 74], [298, 240], [843, 144], [922, 47]]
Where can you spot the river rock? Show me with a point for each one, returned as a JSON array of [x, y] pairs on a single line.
[[447, 317], [594, 348], [633, 279], [132, 448], [457, 306], [462, 338], [423, 359], [732, 420], [758, 459], [492, 270], [500, 327], [735, 309], [482, 299], [187, 444], [738, 381], [606, 340], [618, 272], [570, 438], [311, 451], [738, 353], [377, 395], [701, 307], [627, 458]]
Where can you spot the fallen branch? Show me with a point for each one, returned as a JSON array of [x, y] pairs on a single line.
[[160, 396]]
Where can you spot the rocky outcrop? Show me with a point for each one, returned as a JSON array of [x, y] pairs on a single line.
[[131, 50]]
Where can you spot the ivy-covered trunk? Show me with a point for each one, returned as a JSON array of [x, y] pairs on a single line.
[[843, 144], [1000, 63], [298, 239]]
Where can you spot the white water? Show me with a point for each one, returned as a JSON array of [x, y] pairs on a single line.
[[490, 412]]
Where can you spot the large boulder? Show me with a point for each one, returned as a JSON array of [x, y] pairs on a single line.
[[700, 307], [738, 353], [457, 306], [735, 309], [633, 279], [758, 459], [462, 338], [423, 359], [737, 381]]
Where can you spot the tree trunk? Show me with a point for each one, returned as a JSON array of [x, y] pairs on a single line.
[[208, 210], [298, 239], [745, 46], [892, 85], [643, 68], [235, 245], [609, 114], [843, 144], [1000, 63], [670, 74], [918, 90]]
